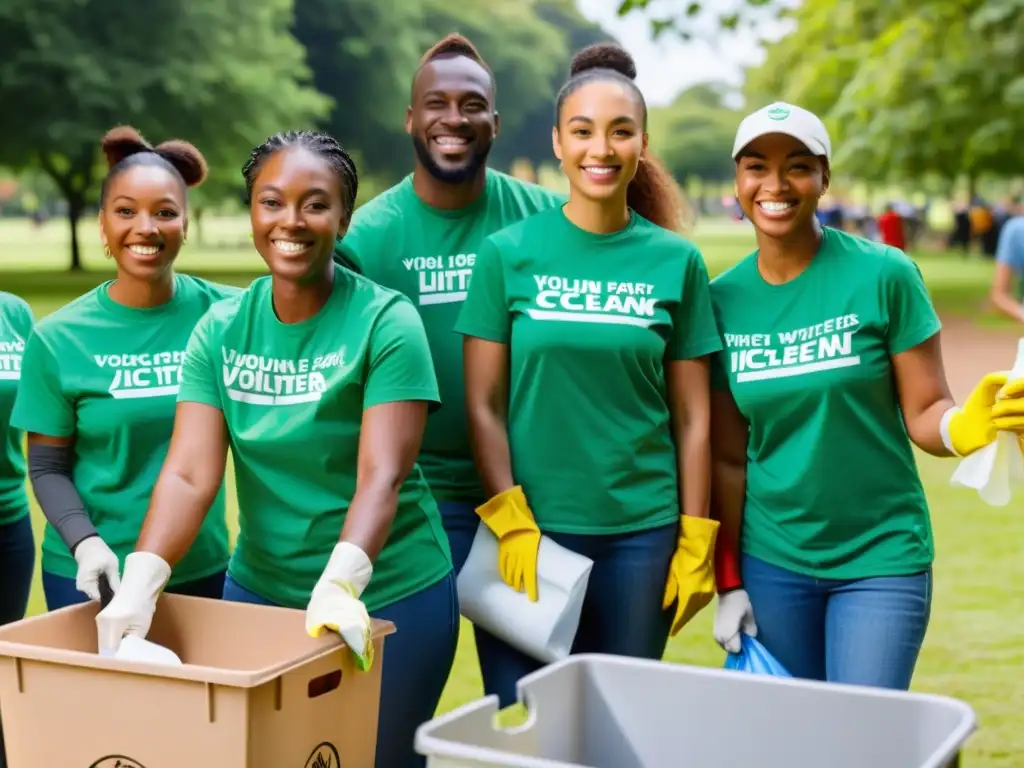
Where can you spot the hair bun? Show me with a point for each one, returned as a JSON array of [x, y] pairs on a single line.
[[188, 160], [121, 142], [603, 56]]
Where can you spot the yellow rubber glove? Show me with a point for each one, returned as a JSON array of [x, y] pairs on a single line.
[[510, 519], [970, 428], [691, 576], [1008, 411]]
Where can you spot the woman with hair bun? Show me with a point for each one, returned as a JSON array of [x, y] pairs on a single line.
[[587, 335], [99, 379]]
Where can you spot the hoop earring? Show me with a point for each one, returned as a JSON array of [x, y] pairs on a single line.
[[107, 252]]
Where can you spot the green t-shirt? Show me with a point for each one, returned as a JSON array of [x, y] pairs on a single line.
[[107, 375], [293, 397], [16, 323], [832, 487], [591, 321], [427, 254]]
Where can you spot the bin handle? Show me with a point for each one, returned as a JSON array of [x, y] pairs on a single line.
[[323, 684]]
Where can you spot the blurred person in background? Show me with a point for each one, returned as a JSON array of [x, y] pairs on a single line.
[[17, 542], [421, 237], [1005, 294], [891, 228], [587, 333], [334, 515], [99, 377], [832, 373]]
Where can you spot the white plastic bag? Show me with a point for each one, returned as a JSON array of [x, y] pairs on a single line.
[[991, 470], [544, 630], [134, 648]]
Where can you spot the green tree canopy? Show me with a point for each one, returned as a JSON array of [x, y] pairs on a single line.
[[222, 74]]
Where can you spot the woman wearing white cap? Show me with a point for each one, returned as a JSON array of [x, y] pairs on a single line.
[[832, 371]]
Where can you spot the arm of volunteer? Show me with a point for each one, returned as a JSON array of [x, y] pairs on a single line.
[[47, 415], [729, 436], [485, 323], [690, 406], [1009, 266], [400, 387], [913, 337], [193, 469], [50, 461], [694, 337]]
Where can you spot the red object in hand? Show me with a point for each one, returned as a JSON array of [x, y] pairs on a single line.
[[727, 565]]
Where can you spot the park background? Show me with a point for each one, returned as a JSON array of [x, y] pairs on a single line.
[[924, 100]]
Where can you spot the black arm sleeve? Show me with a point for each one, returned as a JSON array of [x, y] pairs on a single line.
[[49, 467]]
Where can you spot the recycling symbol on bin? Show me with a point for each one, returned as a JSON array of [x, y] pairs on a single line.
[[116, 761], [324, 756]]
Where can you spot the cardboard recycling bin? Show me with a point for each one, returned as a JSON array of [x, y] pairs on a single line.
[[254, 691]]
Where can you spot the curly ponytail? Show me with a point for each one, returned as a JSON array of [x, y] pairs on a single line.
[[654, 194]]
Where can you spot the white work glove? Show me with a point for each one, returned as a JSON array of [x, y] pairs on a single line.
[[131, 611], [334, 603], [734, 615], [95, 557]]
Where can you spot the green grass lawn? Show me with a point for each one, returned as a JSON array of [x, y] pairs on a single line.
[[975, 646]]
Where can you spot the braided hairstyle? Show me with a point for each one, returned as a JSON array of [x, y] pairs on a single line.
[[124, 148], [322, 144], [653, 192]]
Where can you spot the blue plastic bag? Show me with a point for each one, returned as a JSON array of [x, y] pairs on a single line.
[[755, 659]]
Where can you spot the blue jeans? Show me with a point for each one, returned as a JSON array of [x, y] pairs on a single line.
[[17, 562], [857, 631], [61, 591], [417, 660], [460, 522], [622, 611]]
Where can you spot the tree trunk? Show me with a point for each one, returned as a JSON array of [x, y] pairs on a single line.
[[73, 179], [197, 224], [76, 204]]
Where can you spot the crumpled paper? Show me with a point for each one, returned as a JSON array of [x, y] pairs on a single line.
[[1000, 464]]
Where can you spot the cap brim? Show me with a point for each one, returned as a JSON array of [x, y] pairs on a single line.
[[813, 145]]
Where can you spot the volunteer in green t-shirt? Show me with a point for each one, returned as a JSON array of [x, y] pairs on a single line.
[[587, 334], [320, 381], [99, 377], [17, 543], [832, 371], [421, 237]]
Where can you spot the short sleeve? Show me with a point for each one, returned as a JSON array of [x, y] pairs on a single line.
[[694, 330], [41, 404], [400, 366], [912, 317], [198, 378], [354, 249], [1010, 247], [484, 313]]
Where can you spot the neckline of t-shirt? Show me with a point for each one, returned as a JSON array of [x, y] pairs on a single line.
[[115, 307], [312, 321], [596, 237], [823, 248], [452, 213]]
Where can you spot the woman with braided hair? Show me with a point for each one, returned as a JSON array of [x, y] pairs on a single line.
[[320, 381], [99, 377]]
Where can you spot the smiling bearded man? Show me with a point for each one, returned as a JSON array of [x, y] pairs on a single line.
[[420, 237]]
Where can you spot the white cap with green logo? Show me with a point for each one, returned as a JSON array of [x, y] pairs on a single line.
[[804, 126]]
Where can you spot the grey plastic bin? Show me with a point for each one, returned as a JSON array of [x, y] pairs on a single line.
[[597, 711]]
